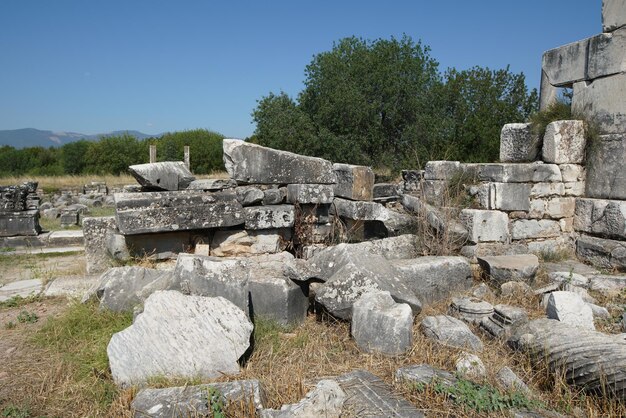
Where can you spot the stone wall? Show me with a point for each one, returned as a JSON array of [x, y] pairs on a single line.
[[19, 210]]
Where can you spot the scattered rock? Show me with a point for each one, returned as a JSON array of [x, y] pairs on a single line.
[[515, 288], [451, 332], [505, 268], [470, 309], [509, 381], [470, 366], [425, 374], [503, 320], [569, 307], [326, 400]]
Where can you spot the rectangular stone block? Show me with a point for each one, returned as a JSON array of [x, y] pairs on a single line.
[[252, 163], [603, 100], [561, 207], [575, 189], [613, 14], [355, 182], [436, 192], [269, 217], [607, 54], [358, 210], [520, 173], [604, 253], [606, 168], [95, 232], [509, 196], [166, 175], [532, 229], [572, 172], [606, 218], [24, 222], [564, 142], [441, 170], [566, 64], [212, 184], [141, 213], [385, 190], [547, 190], [485, 225], [518, 144], [69, 218], [310, 193]]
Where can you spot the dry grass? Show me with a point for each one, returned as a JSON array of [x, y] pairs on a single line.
[[69, 182]]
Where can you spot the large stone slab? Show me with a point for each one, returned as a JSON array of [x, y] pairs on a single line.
[[606, 171], [606, 218], [564, 142], [180, 336], [21, 288], [95, 232], [369, 396], [74, 287], [604, 253], [518, 144], [380, 325], [519, 173], [441, 170], [485, 225], [569, 307], [193, 400], [24, 222], [269, 217], [252, 163], [566, 64], [435, 278], [602, 100], [167, 175], [450, 331], [321, 194], [359, 210], [533, 228], [140, 213], [613, 14], [607, 54], [354, 182]]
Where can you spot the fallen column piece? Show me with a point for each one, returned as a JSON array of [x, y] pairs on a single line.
[[140, 213], [590, 359]]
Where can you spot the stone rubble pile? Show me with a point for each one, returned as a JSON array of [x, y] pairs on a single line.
[[19, 210]]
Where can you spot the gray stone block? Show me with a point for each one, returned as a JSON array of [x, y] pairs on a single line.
[[451, 332], [24, 222], [566, 64], [539, 190], [602, 100], [572, 172], [380, 325], [533, 229], [569, 307], [385, 190], [564, 142], [518, 144], [602, 253], [485, 225], [140, 213], [252, 163], [613, 14], [274, 196], [212, 185], [607, 54], [441, 170], [520, 173], [269, 217], [95, 231], [354, 182], [243, 243], [606, 218], [469, 309], [505, 268], [167, 175], [606, 171], [435, 278], [249, 195], [317, 194], [509, 196]]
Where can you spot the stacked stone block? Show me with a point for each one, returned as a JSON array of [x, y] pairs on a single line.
[[19, 210]]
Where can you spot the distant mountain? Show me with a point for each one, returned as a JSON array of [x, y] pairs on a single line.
[[29, 137]]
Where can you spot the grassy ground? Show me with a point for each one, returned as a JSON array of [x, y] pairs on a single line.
[[14, 267], [55, 224]]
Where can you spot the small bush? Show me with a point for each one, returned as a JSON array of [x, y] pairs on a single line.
[[558, 110], [27, 317]]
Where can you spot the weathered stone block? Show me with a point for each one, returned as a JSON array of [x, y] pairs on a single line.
[[441, 170], [366, 211], [566, 64], [564, 142], [606, 171], [607, 54], [252, 163], [518, 144], [532, 229], [167, 175], [450, 331], [574, 189], [603, 253], [380, 325], [140, 213], [505, 268], [602, 100], [24, 222], [509, 196], [212, 184], [572, 172], [601, 217], [274, 196], [244, 243], [321, 194], [436, 192], [354, 182], [520, 173], [95, 232], [385, 190], [69, 218], [485, 225], [269, 217], [560, 207], [249, 195], [546, 190], [613, 14]]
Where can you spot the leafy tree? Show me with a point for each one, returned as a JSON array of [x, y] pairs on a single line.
[[73, 156], [205, 148], [113, 154]]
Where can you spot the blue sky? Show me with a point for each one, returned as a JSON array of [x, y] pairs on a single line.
[[155, 66]]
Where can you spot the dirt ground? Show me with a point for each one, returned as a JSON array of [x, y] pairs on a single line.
[[44, 267]]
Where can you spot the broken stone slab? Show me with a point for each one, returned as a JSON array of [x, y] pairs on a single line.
[[564, 142], [243, 243], [602, 253], [613, 15], [518, 144], [569, 307], [470, 366], [566, 64], [21, 288], [317, 194], [470, 310], [205, 338], [436, 192], [601, 99], [537, 172], [274, 196], [167, 175], [212, 185], [606, 171], [251, 163], [450, 331], [122, 288], [380, 325], [249, 195], [362, 271], [607, 284], [369, 396], [25, 222], [485, 225], [95, 232], [141, 213], [509, 381], [425, 374], [505, 268], [441, 170], [71, 286], [440, 222], [603, 217], [354, 182], [591, 360], [325, 400], [504, 319], [434, 278], [192, 400], [535, 228], [269, 217]]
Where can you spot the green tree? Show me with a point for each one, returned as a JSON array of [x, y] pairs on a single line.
[[73, 156], [205, 148], [113, 154]]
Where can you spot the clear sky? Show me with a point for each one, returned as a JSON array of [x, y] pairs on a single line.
[[97, 66]]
